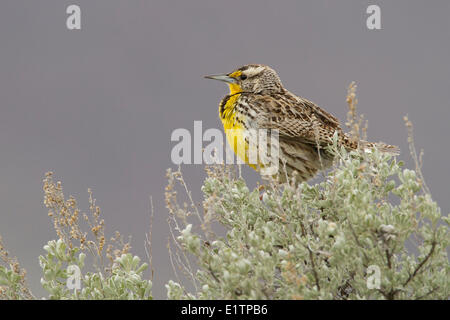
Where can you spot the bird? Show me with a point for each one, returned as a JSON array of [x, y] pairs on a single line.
[[258, 101]]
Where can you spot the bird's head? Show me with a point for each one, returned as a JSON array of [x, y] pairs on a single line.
[[252, 78]]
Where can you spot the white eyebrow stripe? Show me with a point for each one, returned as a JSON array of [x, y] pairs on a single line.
[[250, 72]]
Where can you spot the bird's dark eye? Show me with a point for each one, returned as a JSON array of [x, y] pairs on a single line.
[[243, 77]]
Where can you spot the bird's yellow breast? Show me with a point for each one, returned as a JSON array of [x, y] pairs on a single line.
[[235, 131]]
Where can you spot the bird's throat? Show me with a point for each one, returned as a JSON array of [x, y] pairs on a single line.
[[234, 88], [227, 107]]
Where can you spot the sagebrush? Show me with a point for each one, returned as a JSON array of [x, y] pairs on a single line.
[[368, 230]]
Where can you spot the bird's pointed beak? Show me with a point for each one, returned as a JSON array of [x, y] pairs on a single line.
[[222, 77]]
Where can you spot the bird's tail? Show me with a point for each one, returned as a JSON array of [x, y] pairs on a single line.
[[381, 146], [351, 143]]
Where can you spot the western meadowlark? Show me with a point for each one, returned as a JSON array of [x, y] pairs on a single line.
[[258, 100]]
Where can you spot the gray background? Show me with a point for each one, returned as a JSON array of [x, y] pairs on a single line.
[[97, 106]]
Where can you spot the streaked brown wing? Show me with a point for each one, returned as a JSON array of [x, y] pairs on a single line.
[[295, 118]]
